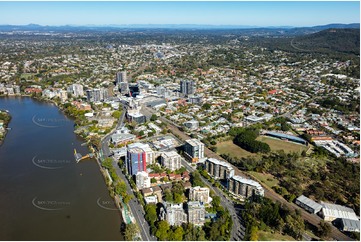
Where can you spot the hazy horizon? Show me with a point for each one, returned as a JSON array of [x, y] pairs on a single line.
[[255, 14]]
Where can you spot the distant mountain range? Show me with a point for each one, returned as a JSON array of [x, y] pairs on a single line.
[[287, 29]]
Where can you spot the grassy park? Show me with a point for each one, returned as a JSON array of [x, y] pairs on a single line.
[[268, 236], [227, 147], [265, 178]]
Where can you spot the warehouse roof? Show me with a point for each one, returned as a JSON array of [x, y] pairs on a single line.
[[338, 211], [310, 203], [350, 224]]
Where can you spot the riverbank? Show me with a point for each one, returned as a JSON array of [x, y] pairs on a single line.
[[5, 119], [93, 146], [46, 170]]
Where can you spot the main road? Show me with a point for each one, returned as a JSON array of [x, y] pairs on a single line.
[[311, 218], [135, 207], [237, 228]]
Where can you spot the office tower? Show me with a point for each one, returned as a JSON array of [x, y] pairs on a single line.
[[187, 87]]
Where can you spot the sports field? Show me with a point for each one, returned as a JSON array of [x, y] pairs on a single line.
[[286, 146]]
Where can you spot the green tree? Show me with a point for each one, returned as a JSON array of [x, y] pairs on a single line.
[[201, 235], [324, 229], [151, 213], [153, 117], [168, 196], [130, 231], [120, 188], [216, 202], [127, 198], [178, 198], [178, 234], [254, 233], [107, 163], [116, 114], [162, 230]]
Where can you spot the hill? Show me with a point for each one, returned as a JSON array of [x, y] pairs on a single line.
[[329, 40]]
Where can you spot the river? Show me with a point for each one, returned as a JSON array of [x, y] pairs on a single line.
[[44, 193]]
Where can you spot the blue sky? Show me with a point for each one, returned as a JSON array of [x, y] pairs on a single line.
[[214, 13]]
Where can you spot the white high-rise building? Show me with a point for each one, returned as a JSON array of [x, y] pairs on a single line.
[[200, 194], [76, 90], [196, 213], [142, 180], [175, 214], [171, 160]]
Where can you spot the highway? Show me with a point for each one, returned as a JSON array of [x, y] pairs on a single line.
[[135, 207], [311, 218]]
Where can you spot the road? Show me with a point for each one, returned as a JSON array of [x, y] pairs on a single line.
[[311, 218], [135, 207], [237, 225]]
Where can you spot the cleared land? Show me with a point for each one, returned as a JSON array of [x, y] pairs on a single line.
[[227, 147], [265, 178], [286, 146], [268, 236]]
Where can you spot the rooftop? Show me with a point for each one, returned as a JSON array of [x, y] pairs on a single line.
[[222, 163], [310, 203], [338, 211], [287, 136], [247, 181], [194, 142]]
